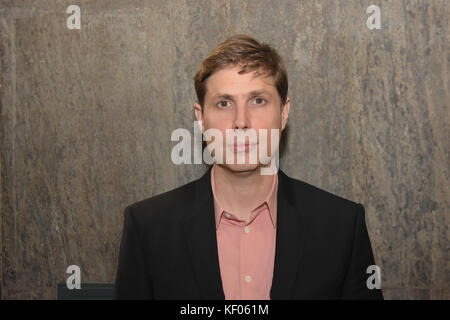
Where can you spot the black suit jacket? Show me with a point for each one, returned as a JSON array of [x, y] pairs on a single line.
[[169, 246]]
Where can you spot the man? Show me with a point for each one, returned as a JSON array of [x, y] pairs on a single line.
[[236, 233]]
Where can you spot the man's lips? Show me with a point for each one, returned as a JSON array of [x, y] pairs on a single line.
[[242, 147]]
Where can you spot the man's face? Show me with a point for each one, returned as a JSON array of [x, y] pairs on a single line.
[[239, 102]]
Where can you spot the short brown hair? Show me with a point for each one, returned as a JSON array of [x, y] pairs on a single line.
[[248, 53]]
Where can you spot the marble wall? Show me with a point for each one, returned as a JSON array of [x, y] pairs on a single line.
[[86, 118]]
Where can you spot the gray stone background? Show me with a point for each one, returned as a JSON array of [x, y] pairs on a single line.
[[86, 118]]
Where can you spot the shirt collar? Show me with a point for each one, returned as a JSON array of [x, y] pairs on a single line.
[[270, 201]]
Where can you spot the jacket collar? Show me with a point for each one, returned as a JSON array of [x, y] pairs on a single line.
[[200, 232]]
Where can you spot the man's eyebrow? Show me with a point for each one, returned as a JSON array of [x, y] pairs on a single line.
[[251, 93], [223, 96]]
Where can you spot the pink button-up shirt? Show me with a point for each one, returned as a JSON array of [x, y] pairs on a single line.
[[247, 249]]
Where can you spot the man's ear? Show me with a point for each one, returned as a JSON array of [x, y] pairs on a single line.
[[285, 113], [198, 111]]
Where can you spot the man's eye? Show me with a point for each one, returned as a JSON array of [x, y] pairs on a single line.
[[259, 100], [223, 104]]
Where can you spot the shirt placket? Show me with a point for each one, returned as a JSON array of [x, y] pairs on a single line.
[[245, 277]]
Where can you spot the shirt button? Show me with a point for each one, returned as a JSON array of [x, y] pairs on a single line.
[[246, 229], [248, 279]]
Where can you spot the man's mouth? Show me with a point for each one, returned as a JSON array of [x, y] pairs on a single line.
[[243, 147]]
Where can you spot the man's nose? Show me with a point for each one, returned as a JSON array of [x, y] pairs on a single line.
[[241, 118]]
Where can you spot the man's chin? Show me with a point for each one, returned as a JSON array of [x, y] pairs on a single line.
[[241, 167]]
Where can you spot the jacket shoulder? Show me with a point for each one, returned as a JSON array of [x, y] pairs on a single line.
[[304, 193], [168, 204], [327, 213]]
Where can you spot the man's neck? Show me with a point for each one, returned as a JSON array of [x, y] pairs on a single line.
[[241, 192]]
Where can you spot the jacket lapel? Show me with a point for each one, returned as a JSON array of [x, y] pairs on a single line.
[[200, 229], [290, 238]]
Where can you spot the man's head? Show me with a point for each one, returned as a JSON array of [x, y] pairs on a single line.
[[243, 85]]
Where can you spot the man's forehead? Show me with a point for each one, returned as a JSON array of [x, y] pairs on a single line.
[[250, 92], [260, 83]]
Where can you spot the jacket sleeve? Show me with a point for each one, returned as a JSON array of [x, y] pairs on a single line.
[[355, 284], [133, 278]]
